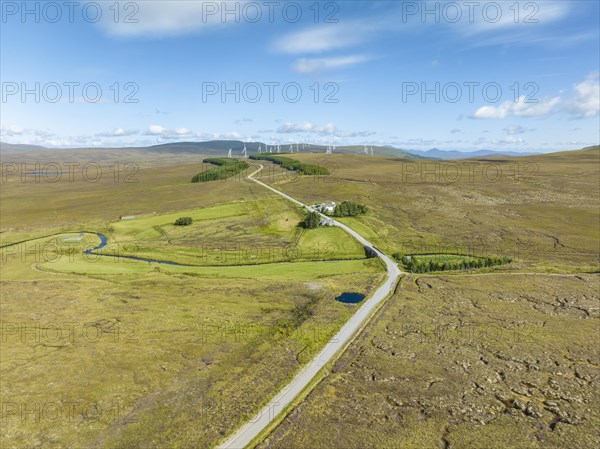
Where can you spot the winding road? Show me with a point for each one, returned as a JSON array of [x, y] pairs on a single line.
[[249, 431]]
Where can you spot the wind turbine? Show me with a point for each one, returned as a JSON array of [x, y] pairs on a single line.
[[291, 148], [245, 151], [259, 149], [371, 151], [229, 154]]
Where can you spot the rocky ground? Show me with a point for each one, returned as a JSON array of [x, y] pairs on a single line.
[[494, 361]]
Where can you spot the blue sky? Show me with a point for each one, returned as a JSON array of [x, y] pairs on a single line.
[[355, 73]]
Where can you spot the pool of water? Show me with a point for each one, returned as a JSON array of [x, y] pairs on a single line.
[[350, 298]]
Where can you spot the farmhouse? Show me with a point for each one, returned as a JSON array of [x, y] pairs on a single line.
[[325, 208]]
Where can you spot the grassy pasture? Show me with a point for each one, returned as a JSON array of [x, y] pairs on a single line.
[[112, 347], [158, 332], [153, 356], [106, 352], [256, 232], [541, 211], [152, 183]]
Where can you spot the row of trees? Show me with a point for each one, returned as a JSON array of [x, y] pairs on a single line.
[[416, 265], [183, 221], [349, 209], [292, 164], [225, 168]]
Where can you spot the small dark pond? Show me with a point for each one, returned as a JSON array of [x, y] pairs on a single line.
[[350, 298]]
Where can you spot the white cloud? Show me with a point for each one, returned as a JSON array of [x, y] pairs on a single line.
[[516, 129], [584, 104], [489, 18], [157, 130], [119, 132], [306, 127], [120, 136], [520, 108], [455, 131], [167, 134], [183, 132], [322, 38], [587, 97], [418, 142], [45, 138], [13, 131], [329, 130], [518, 23], [168, 18], [346, 134], [509, 140], [305, 65]]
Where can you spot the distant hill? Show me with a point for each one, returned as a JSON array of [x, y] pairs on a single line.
[[592, 153], [434, 153], [385, 150], [211, 147], [19, 148], [221, 147]]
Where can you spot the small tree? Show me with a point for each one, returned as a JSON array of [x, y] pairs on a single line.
[[183, 221], [311, 221]]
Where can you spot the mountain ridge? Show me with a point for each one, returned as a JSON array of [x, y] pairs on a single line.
[[221, 148]]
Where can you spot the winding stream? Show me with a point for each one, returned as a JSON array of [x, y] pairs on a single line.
[[104, 241]]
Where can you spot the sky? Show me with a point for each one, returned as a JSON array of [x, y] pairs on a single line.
[[506, 76]]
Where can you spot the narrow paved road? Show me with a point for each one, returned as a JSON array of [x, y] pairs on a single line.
[[245, 434]]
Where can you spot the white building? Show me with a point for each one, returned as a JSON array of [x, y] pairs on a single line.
[[325, 208], [326, 222]]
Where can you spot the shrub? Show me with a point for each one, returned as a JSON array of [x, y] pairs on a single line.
[[183, 221]]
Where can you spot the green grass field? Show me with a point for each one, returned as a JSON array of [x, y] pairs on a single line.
[[540, 211], [255, 232], [106, 352]]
